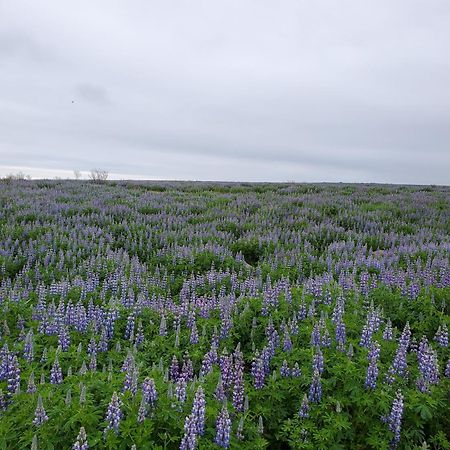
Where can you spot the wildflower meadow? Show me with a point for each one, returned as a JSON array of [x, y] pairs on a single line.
[[182, 315]]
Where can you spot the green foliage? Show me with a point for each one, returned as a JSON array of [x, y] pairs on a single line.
[[162, 241]]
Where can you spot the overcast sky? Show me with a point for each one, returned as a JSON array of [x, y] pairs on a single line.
[[258, 90]]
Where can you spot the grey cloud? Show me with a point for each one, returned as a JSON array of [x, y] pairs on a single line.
[[237, 89], [93, 94], [20, 45]]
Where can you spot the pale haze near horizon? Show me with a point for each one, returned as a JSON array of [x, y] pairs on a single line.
[[227, 90]]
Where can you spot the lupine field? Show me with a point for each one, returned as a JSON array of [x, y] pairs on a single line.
[[170, 315]]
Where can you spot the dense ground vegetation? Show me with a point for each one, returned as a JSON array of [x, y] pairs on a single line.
[[200, 315]]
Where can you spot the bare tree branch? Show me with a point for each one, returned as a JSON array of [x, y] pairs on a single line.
[[98, 175]]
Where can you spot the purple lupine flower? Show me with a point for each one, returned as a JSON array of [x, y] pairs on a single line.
[[288, 293], [82, 394], [340, 335], [130, 382], [318, 361], [187, 370], [414, 290], [315, 390], [399, 365], [81, 322], [198, 410], [388, 334], [338, 310], [177, 336], [304, 408], [326, 339], [428, 366], [64, 338], [365, 336], [92, 346], [5, 358], [405, 337], [149, 391], [363, 283], [287, 344], [315, 335], [128, 363], [163, 326], [81, 443], [238, 380], [13, 375], [284, 369], [31, 388], [394, 419], [139, 340], [372, 369], [3, 401], [109, 323], [447, 369], [207, 364], [189, 440], [390, 376], [174, 369], [40, 415], [441, 336], [142, 411], [180, 389], [226, 369], [114, 414], [225, 325], [129, 329], [293, 326], [103, 342], [267, 354], [258, 371], [219, 392], [328, 299], [238, 390], [371, 326], [93, 362], [28, 350], [194, 334], [302, 310], [295, 371], [56, 373], [223, 428]]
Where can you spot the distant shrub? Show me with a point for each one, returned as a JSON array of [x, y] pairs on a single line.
[[98, 175]]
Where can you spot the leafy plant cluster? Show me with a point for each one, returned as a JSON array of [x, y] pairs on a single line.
[[223, 315]]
